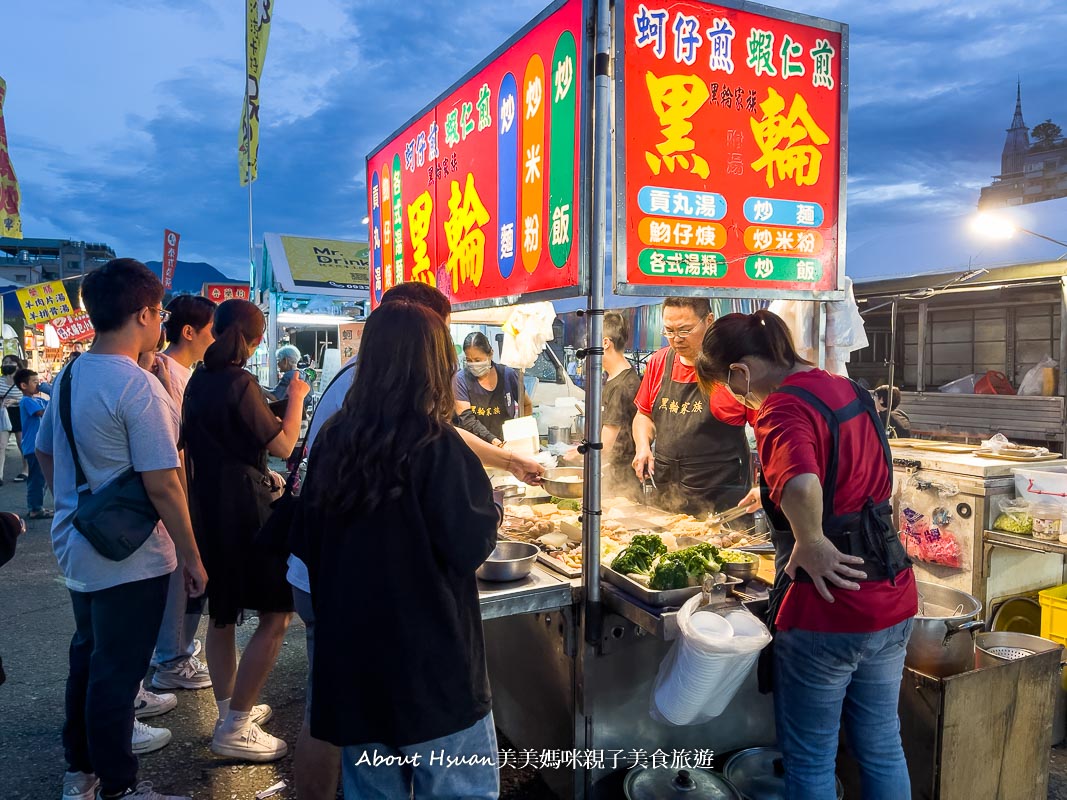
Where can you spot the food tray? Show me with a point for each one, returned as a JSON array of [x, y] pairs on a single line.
[[1020, 459], [911, 442], [658, 599], [556, 565], [941, 447]]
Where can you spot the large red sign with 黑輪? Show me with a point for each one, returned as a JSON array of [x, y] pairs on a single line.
[[730, 151], [481, 194]]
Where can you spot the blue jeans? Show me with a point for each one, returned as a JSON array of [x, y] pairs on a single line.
[[817, 676], [109, 654], [175, 641], [34, 484], [422, 771]]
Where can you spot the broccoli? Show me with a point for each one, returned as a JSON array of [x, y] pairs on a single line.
[[633, 560], [567, 505], [669, 573], [650, 543]]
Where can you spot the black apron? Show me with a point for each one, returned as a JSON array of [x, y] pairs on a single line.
[[490, 408], [702, 464]]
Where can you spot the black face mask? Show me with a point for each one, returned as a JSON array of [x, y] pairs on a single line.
[[8, 369]]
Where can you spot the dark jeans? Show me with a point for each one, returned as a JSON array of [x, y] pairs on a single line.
[[115, 632], [34, 484]]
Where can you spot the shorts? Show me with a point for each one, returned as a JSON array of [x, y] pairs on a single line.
[[15, 415]]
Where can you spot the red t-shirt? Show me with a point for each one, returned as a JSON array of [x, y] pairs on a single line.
[[793, 439], [721, 403]]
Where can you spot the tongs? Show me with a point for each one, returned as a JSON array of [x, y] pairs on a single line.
[[648, 486], [727, 516]]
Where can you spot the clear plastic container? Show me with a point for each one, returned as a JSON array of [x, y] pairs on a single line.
[[1048, 520]]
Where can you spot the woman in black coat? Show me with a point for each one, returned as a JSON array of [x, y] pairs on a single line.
[[398, 514]]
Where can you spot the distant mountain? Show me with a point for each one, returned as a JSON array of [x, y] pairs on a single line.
[[190, 276]]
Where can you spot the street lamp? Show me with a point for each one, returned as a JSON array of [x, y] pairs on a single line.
[[995, 226]]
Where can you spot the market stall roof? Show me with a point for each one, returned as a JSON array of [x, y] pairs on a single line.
[[304, 265]]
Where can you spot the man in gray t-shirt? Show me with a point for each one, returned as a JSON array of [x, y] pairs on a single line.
[[124, 419]]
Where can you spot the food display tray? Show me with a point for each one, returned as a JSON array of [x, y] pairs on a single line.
[[1020, 459], [666, 598]]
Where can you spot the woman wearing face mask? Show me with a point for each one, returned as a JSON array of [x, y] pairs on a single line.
[[10, 395], [844, 596], [486, 393]]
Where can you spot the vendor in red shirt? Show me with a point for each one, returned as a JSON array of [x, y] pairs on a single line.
[[701, 462], [844, 596]]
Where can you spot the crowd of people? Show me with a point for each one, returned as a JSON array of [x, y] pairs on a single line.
[[196, 442]]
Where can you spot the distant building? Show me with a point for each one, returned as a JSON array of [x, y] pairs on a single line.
[[28, 261], [1029, 172]]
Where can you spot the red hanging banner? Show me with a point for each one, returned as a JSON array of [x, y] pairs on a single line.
[[170, 257]]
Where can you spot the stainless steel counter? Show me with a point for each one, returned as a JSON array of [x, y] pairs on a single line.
[[542, 590]]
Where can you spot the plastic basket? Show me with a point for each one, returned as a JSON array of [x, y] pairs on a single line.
[[1054, 613]]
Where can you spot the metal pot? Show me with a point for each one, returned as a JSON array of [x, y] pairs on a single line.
[[509, 561], [644, 783], [1000, 647], [557, 434], [759, 774], [942, 641], [578, 425]]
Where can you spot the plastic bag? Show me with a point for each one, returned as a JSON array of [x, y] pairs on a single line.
[[1012, 515], [964, 385], [706, 665], [996, 443], [1033, 382], [927, 521]]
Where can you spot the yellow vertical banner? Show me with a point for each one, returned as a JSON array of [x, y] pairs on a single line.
[[10, 220], [257, 20]]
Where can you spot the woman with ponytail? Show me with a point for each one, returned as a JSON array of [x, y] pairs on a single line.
[[228, 430], [844, 595]]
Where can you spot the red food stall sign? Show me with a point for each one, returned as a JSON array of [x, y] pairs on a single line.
[[482, 194], [730, 151], [220, 292], [75, 328]]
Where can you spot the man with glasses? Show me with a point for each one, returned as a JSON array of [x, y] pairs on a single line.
[[701, 461], [125, 420]]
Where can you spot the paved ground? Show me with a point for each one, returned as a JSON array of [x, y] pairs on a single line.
[[35, 630]]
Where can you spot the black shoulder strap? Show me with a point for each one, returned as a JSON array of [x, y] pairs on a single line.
[[863, 397], [833, 423], [10, 389], [68, 426]]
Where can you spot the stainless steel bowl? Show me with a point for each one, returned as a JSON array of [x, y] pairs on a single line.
[[509, 561], [745, 571], [999, 647], [569, 489]]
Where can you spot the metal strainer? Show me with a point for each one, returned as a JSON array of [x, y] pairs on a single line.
[[1009, 653]]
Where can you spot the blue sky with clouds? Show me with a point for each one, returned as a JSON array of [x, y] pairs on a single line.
[[122, 115]]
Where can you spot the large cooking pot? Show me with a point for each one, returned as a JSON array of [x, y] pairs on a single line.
[[643, 783], [759, 774], [942, 641]]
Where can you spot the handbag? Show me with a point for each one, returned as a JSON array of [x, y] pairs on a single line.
[[117, 518], [5, 415]]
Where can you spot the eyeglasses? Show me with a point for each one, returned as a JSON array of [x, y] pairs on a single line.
[[164, 315], [680, 335]]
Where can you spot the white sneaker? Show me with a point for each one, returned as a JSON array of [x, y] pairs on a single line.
[[150, 704], [260, 715], [148, 740], [144, 791], [197, 647], [188, 674], [79, 785], [251, 744]]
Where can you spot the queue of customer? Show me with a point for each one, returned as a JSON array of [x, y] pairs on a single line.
[[417, 494]]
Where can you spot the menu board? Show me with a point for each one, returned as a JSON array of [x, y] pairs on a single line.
[[483, 193], [730, 151]]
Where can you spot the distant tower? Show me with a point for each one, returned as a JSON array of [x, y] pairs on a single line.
[[1017, 142]]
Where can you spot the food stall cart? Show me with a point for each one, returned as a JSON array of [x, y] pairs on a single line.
[[309, 288], [498, 193]]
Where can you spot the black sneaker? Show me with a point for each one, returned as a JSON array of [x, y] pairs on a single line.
[[22, 477]]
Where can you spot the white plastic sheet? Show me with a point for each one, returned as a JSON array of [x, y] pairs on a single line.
[[844, 329], [526, 331]]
